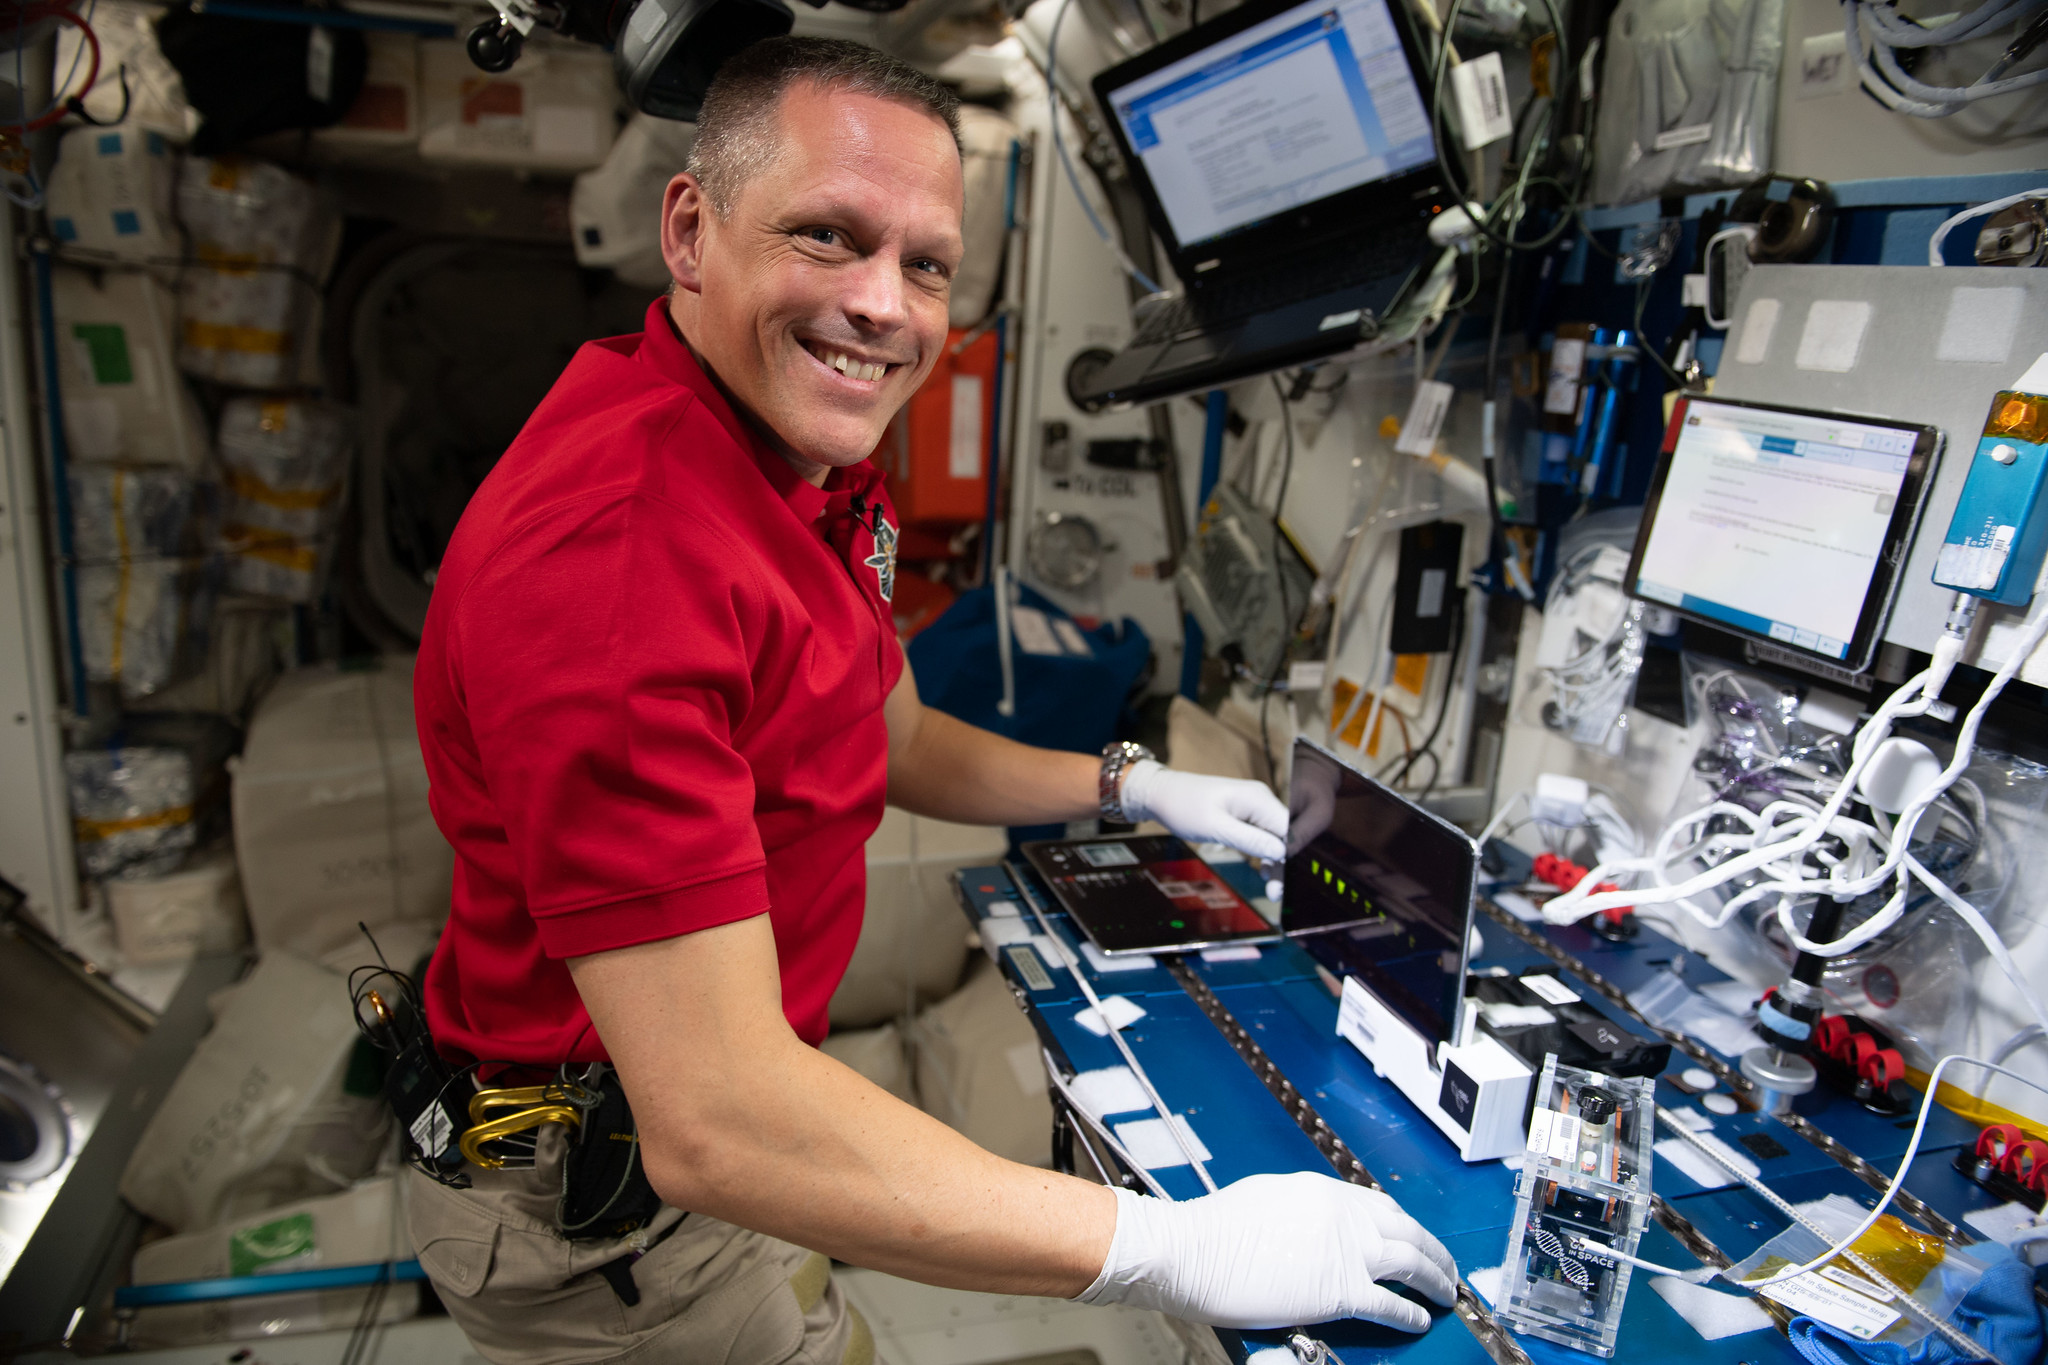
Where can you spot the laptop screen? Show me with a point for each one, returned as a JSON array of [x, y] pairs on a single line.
[[1316, 100], [1378, 888]]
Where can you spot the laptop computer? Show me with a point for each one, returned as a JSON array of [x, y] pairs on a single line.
[[1285, 158], [1378, 888]]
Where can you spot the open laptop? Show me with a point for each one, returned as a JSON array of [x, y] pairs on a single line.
[[1285, 157]]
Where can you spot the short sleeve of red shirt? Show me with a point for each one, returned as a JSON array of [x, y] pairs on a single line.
[[607, 741]]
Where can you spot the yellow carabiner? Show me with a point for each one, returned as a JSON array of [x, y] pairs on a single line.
[[472, 1141]]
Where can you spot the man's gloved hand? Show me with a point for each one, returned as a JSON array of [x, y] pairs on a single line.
[[1224, 810], [1274, 1251]]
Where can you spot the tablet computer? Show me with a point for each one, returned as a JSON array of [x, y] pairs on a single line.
[[1787, 525], [1146, 893]]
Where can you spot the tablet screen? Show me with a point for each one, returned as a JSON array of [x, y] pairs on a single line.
[[1781, 524], [1144, 893]]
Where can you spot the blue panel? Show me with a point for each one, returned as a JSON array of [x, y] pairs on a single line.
[[1906, 236]]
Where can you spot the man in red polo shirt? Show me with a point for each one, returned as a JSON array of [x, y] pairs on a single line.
[[662, 705]]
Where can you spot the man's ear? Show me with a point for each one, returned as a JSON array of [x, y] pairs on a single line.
[[685, 216]]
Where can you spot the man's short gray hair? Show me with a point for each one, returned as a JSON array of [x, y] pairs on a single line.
[[737, 130]]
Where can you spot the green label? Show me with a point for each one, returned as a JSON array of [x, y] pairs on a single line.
[[106, 351], [253, 1249]]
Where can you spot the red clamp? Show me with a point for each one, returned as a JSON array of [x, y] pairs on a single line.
[[1999, 1139], [2026, 1161], [1830, 1033], [1881, 1066]]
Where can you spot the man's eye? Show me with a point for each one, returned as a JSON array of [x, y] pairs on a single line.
[[929, 268], [823, 236]]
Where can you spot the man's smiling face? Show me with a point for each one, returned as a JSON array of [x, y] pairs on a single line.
[[819, 302]]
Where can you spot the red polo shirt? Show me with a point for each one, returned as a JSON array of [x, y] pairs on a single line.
[[650, 699]]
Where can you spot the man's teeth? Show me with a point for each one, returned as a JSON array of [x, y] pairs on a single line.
[[854, 369]]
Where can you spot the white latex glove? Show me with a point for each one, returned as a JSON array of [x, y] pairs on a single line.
[[1225, 810], [1274, 1251]]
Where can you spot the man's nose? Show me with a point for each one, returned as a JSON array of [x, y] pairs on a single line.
[[875, 297]]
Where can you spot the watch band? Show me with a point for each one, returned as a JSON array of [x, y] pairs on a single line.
[[1116, 760]]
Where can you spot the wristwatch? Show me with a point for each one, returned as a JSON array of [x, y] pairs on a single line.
[[1116, 761]]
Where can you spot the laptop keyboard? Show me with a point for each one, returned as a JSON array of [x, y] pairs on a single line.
[[1228, 300]]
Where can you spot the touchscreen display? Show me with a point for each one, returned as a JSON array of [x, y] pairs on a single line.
[[1776, 523], [1144, 893], [1307, 104], [1379, 889]]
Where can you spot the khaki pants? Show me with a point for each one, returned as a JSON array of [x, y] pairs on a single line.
[[710, 1293]]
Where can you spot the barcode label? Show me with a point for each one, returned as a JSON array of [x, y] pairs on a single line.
[[1481, 90], [1029, 967]]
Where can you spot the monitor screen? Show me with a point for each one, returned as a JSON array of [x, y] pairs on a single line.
[[1380, 889], [1316, 100], [1782, 524]]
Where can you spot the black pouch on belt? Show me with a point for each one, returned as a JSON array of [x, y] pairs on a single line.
[[605, 1193]]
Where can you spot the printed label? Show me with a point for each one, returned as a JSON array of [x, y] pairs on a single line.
[[1824, 1301], [1481, 90], [1425, 418], [1564, 1137], [432, 1130], [1030, 968], [1540, 1123], [1685, 135], [1550, 990], [963, 451]]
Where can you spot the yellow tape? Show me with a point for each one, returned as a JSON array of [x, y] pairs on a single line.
[[221, 336], [271, 547], [100, 829], [1981, 1112], [247, 485]]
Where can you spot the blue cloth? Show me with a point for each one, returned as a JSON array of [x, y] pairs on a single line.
[[1999, 1311], [1064, 701]]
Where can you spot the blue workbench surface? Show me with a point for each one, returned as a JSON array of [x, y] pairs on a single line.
[[1290, 1012]]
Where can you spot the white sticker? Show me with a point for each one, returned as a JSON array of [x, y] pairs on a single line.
[[1539, 1129], [1344, 319], [1692, 291], [1757, 325], [1153, 1146], [1425, 417], [1429, 594], [1824, 66], [1305, 675], [1120, 1010], [1003, 910], [432, 1130], [1829, 1303], [1833, 336], [1071, 636], [1034, 631], [1550, 990], [963, 451], [1684, 135], [1481, 89], [1567, 359], [1564, 1137]]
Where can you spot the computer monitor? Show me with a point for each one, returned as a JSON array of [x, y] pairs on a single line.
[[1786, 525], [1270, 108], [1378, 888]]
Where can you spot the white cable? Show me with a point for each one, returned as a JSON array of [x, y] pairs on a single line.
[[1785, 830], [1116, 1036], [1500, 818], [1898, 1179], [1971, 916], [1586, 1247], [1941, 233]]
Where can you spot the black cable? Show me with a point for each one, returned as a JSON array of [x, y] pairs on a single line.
[[1438, 128], [1655, 353], [1280, 574], [1444, 710]]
